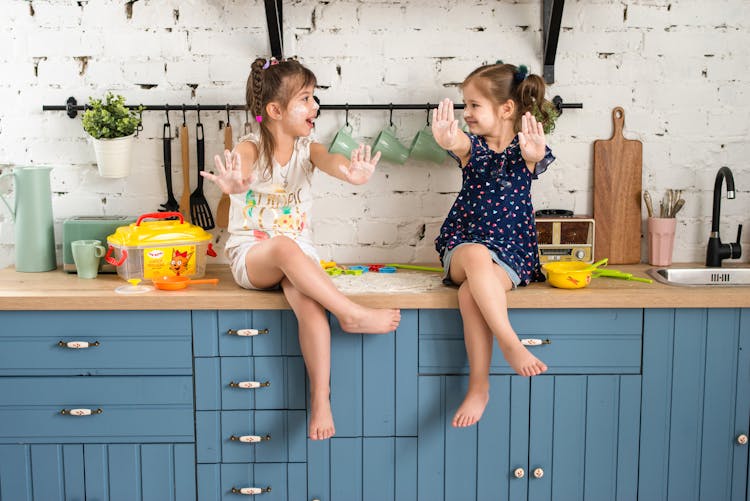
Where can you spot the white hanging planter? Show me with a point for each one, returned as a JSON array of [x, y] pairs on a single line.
[[113, 156]]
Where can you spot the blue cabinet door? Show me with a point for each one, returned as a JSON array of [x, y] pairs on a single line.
[[696, 405], [97, 472], [545, 438]]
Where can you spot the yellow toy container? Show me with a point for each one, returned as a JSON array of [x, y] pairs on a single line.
[[568, 275], [164, 248]]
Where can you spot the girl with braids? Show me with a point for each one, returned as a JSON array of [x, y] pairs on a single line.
[[487, 243], [268, 178]]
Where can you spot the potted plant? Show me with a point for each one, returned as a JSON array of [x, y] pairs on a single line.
[[112, 127]]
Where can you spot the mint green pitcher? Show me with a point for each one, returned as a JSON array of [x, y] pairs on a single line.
[[35, 235]]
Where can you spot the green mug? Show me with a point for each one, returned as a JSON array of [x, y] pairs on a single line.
[[87, 255], [389, 147], [343, 143], [424, 147]]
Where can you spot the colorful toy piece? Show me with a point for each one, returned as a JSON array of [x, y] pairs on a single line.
[[360, 268], [327, 264], [387, 269], [334, 271]]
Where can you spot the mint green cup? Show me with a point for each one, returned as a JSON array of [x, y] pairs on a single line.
[[424, 147], [389, 147], [343, 143], [87, 255]]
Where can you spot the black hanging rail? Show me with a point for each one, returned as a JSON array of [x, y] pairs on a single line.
[[72, 107]]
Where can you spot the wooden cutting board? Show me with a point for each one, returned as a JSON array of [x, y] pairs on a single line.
[[617, 195]]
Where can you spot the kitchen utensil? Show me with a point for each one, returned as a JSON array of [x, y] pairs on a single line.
[[414, 267], [660, 234], [390, 147], [171, 204], [343, 143], [148, 249], [87, 254], [32, 215], [570, 275], [621, 275], [678, 206], [134, 287], [649, 203], [176, 283], [248, 126], [222, 210], [89, 228], [185, 145], [200, 212], [592, 267], [617, 190]]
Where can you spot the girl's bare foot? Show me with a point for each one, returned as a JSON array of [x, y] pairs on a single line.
[[321, 419], [522, 361], [471, 409], [363, 320]]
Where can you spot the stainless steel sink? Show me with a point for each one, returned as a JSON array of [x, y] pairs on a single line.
[[701, 277]]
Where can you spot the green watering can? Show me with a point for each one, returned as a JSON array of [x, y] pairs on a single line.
[[35, 235]]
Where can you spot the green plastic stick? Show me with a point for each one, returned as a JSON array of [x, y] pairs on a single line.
[[415, 267]]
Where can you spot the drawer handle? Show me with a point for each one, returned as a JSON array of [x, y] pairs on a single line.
[[742, 439], [77, 345], [519, 473], [249, 385], [535, 341], [249, 439], [538, 473], [250, 491], [246, 332], [80, 412]]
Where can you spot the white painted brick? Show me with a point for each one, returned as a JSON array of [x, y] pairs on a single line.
[[237, 43], [330, 232], [395, 206], [377, 233], [68, 42]]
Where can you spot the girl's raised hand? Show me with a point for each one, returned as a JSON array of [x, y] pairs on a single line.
[[229, 179], [361, 165], [531, 139], [445, 125]]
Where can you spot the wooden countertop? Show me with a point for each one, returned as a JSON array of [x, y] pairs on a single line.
[[58, 290]]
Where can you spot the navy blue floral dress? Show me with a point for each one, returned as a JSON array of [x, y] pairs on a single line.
[[494, 208]]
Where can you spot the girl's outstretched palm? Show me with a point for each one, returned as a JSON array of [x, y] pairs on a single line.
[[445, 125], [531, 139], [229, 179], [361, 165]]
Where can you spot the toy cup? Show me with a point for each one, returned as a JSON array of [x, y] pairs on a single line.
[[389, 147]]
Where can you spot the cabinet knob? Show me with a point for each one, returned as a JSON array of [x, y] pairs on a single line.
[[80, 412], [534, 342], [77, 345], [249, 439], [538, 473], [742, 439], [250, 491], [519, 473], [249, 385], [246, 332]]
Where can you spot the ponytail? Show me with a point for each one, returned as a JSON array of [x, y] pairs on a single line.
[[529, 95]]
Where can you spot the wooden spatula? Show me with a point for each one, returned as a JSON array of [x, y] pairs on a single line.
[[222, 211], [185, 198]]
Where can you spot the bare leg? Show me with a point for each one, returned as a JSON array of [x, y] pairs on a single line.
[[478, 340], [273, 259], [315, 342], [488, 282]]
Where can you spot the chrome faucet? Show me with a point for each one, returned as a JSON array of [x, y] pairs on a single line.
[[717, 251]]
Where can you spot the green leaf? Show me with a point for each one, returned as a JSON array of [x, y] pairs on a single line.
[[110, 118]]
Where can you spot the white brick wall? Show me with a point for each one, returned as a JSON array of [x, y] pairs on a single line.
[[679, 68]]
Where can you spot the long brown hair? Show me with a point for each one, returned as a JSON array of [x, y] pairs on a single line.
[[500, 82], [278, 82]]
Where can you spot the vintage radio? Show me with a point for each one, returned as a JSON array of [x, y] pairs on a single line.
[[569, 238]]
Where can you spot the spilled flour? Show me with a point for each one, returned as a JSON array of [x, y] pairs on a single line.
[[404, 281]]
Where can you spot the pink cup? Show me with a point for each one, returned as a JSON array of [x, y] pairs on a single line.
[[661, 240]]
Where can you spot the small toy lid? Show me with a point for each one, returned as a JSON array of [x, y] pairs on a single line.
[[164, 232]]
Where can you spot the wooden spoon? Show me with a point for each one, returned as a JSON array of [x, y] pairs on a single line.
[[185, 198], [222, 211]]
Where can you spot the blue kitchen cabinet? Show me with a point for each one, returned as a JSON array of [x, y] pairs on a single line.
[[571, 433], [96, 405], [695, 412]]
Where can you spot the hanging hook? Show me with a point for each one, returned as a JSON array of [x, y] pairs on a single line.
[[166, 112], [346, 107], [390, 117], [428, 114], [139, 127], [183, 115], [198, 107], [227, 113]]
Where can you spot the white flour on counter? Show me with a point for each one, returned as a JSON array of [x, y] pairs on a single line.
[[404, 281]]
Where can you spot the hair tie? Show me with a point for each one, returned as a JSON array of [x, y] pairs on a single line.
[[270, 62], [258, 118], [520, 75]]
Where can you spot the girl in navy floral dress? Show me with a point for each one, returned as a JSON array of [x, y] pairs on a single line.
[[488, 243]]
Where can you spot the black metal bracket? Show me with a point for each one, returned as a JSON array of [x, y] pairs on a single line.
[[551, 20], [275, 22]]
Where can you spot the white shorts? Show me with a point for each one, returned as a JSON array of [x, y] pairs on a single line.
[[238, 266]]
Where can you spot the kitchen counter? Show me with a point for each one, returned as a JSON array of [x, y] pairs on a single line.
[[58, 290]]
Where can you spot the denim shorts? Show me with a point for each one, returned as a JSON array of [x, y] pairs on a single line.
[[512, 275]]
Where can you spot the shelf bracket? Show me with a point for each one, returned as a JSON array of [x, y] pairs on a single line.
[[275, 23], [551, 20]]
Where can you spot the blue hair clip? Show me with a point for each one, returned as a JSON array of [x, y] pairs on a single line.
[[520, 75]]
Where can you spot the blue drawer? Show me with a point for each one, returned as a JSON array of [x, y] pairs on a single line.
[[133, 409], [221, 436], [573, 341], [121, 343], [220, 383], [286, 481]]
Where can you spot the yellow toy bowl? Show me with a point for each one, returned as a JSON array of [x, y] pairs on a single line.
[[568, 275]]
